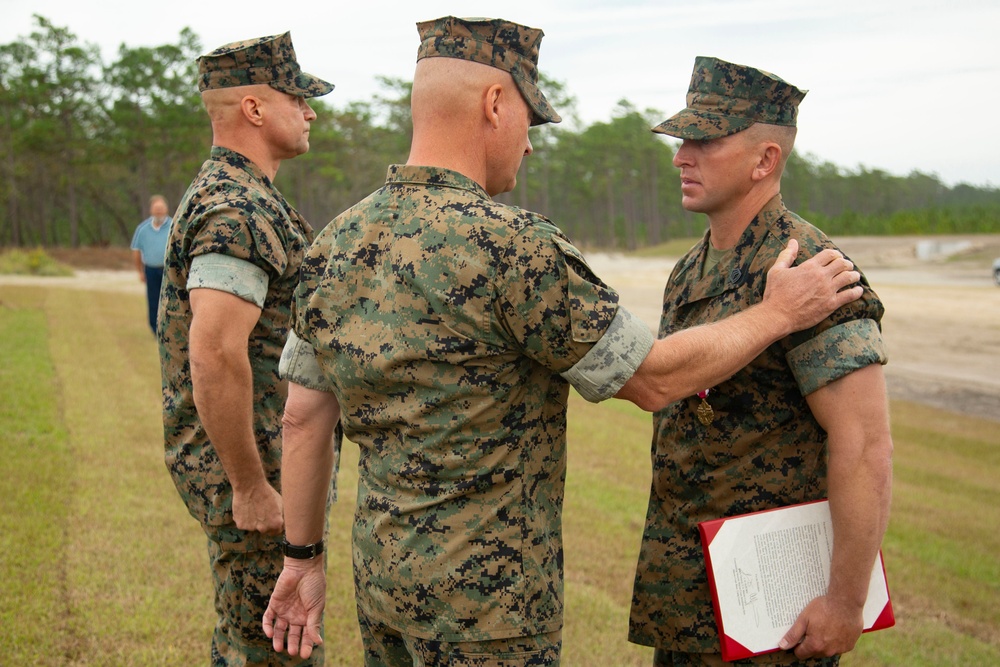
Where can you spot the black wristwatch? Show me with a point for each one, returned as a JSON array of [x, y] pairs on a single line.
[[305, 552]]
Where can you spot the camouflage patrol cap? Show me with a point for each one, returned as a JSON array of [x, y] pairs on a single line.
[[265, 60], [494, 42], [725, 98]]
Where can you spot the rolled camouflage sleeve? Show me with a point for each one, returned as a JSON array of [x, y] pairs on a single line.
[[298, 364], [226, 273], [613, 360], [836, 352]]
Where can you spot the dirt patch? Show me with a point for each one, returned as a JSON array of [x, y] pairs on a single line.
[[94, 258]]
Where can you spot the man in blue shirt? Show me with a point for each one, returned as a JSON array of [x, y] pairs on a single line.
[[149, 245]]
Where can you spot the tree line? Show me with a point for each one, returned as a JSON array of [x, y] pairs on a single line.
[[84, 144]]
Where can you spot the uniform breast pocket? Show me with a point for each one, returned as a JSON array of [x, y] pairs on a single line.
[[741, 424]]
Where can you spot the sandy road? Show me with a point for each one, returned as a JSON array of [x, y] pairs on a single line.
[[942, 321]]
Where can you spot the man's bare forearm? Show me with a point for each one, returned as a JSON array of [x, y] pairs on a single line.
[[307, 461], [860, 495], [698, 358], [853, 411], [222, 380], [223, 395]]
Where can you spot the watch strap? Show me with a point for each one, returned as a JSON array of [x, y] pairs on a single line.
[[302, 552]]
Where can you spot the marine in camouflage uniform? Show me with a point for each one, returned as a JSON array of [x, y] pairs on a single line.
[[444, 330], [446, 327], [234, 233], [762, 447], [450, 327]]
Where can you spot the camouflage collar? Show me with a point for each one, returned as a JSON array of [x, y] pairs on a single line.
[[433, 176], [240, 161], [732, 270]]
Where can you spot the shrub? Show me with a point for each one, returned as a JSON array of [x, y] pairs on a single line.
[[31, 263]]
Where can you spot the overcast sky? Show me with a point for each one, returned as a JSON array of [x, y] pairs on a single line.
[[898, 85]]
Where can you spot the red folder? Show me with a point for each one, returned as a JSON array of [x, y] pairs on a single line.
[[767, 566]]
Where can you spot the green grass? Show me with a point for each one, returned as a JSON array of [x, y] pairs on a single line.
[[34, 500], [101, 565]]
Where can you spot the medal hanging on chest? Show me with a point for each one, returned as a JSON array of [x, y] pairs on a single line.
[[705, 412]]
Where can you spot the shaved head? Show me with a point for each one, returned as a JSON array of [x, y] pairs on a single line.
[[221, 103], [450, 89], [260, 122], [783, 135], [470, 118]]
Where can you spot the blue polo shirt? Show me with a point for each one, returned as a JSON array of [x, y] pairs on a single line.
[[151, 242]]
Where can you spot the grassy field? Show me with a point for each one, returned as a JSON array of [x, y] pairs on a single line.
[[101, 565]]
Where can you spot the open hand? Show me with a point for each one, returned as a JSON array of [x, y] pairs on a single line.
[[296, 608], [809, 292]]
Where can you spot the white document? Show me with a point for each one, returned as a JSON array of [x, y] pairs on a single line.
[[767, 566]]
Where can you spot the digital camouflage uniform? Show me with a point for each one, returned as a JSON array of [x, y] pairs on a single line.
[[763, 448], [233, 218], [508, 46], [262, 61], [234, 232], [725, 98], [449, 326]]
